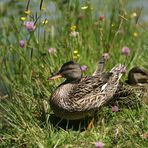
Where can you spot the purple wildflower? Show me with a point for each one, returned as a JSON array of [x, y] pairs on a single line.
[[99, 144], [106, 56], [22, 43], [115, 108], [125, 51], [52, 50], [83, 67], [29, 26]]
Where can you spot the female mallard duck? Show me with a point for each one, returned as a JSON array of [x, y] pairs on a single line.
[[135, 90], [137, 76], [75, 98], [138, 82]]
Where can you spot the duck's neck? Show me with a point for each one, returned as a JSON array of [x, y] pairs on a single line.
[[71, 81]]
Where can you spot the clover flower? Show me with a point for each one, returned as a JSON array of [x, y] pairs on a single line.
[[99, 144], [106, 56], [83, 68], [101, 17], [22, 43], [125, 51], [52, 50], [29, 26], [115, 108]]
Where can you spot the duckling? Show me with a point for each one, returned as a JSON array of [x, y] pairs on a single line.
[[76, 98]]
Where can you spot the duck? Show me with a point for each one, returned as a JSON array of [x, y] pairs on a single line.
[[137, 76], [138, 82], [134, 90], [78, 97]]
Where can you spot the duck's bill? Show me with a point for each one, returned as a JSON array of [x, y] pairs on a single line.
[[55, 77]]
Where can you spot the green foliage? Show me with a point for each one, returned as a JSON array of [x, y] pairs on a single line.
[[24, 71]]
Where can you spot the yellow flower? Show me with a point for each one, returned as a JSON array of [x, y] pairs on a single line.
[[135, 34], [27, 12], [45, 22], [43, 8], [134, 14], [78, 55], [73, 28], [113, 25], [84, 7], [47, 29], [75, 55], [23, 18], [75, 52]]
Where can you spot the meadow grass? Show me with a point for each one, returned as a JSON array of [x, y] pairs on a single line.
[[74, 31]]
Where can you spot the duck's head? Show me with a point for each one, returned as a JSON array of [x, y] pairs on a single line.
[[137, 75], [70, 71]]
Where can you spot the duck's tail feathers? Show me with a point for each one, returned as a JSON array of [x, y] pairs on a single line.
[[100, 67]]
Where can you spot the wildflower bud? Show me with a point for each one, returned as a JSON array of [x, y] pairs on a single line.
[[29, 26], [125, 51], [106, 56], [115, 109], [99, 144], [83, 67], [101, 18], [22, 43], [52, 50]]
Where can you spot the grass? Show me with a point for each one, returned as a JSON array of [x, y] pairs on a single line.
[[24, 71]]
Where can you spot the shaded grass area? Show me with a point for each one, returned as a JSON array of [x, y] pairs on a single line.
[[27, 128], [24, 72]]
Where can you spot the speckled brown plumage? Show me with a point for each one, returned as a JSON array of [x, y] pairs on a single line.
[[135, 91], [76, 97]]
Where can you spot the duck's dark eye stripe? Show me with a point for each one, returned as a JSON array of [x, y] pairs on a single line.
[[66, 68]]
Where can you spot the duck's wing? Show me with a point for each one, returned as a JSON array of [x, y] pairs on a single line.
[[95, 91], [89, 85], [89, 96], [91, 101]]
